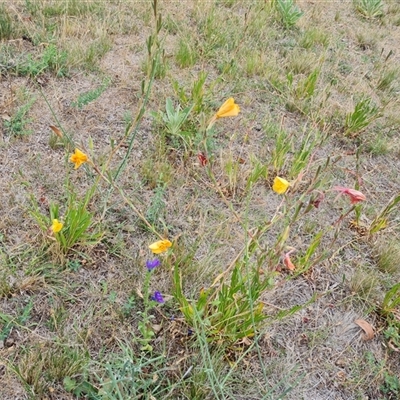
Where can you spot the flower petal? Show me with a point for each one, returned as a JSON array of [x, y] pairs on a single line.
[[157, 296], [355, 195], [151, 264], [228, 109], [160, 246], [78, 158], [280, 185], [56, 226], [288, 263]]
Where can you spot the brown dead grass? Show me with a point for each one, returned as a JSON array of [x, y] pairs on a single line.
[[319, 348]]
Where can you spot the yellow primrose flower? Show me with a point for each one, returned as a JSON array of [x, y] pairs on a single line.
[[78, 158], [228, 109], [160, 246], [56, 226], [280, 185]]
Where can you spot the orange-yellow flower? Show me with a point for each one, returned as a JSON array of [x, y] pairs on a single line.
[[56, 226], [78, 158], [161, 246], [280, 185], [228, 109]]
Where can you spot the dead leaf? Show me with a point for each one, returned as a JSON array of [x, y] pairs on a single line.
[[56, 131], [156, 328], [367, 328], [246, 341]]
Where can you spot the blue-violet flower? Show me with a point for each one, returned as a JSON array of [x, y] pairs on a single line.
[[151, 264], [157, 297]]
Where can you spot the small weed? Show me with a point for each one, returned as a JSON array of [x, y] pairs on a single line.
[[258, 171], [128, 119], [288, 12], [173, 119], [364, 284], [392, 335], [159, 64], [77, 223], [378, 145], [313, 37], [369, 8], [17, 124], [186, 55], [387, 79], [381, 220], [5, 285], [301, 62], [231, 167], [282, 147], [80, 388], [86, 98], [369, 369], [388, 256], [228, 313], [155, 212], [344, 68], [302, 155], [130, 374], [40, 367], [63, 7], [366, 40], [10, 322], [227, 3], [197, 92], [89, 56], [196, 96], [311, 257], [156, 171], [74, 265], [254, 63], [390, 311], [129, 305], [392, 300], [305, 89], [6, 24], [365, 112], [391, 385], [58, 315], [52, 59]]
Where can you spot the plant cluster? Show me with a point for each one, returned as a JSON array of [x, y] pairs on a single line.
[[198, 310]]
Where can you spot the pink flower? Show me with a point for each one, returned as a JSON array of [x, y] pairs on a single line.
[[355, 195], [288, 263]]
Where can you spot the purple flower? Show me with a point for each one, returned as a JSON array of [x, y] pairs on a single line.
[[151, 264], [157, 297]]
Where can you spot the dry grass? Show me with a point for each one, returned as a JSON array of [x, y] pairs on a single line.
[[71, 324]]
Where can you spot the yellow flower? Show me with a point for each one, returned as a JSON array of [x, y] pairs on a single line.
[[160, 246], [280, 185], [78, 158], [56, 226], [228, 109]]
